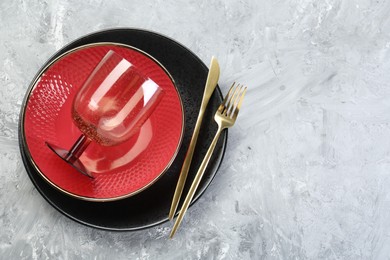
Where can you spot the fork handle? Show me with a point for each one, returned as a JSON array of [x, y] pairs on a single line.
[[195, 183]]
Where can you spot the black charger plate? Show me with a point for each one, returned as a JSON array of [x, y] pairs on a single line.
[[151, 206]]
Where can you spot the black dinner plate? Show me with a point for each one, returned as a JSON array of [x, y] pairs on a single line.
[[150, 207]]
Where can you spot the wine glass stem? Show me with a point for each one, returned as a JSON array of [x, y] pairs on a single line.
[[78, 148]]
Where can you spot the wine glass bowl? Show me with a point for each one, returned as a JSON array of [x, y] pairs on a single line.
[[113, 103]]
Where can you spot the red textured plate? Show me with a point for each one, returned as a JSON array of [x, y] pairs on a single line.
[[119, 171]]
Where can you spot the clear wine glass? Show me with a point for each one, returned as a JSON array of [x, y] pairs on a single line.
[[110, 107]]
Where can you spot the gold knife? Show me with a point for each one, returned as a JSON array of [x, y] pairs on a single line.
[[211, 83]]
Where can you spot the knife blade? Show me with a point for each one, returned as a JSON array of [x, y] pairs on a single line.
[[211, 83]]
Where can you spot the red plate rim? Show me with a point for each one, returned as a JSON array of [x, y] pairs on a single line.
[[33, 85]]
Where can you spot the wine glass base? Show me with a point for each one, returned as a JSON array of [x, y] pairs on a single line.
[[74, 162]]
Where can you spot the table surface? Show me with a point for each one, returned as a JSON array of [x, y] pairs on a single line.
[[306, 173]]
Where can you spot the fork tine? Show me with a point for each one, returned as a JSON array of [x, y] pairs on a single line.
[[223, 106], [230, 102], [238, 101], [233, 101], [242, 98]]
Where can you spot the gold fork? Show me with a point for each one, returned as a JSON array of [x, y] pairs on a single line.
[[225, 117]]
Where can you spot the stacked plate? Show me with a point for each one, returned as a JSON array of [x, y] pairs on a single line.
[[134, 181]]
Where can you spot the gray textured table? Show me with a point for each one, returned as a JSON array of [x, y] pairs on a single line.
[[307, 169]]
